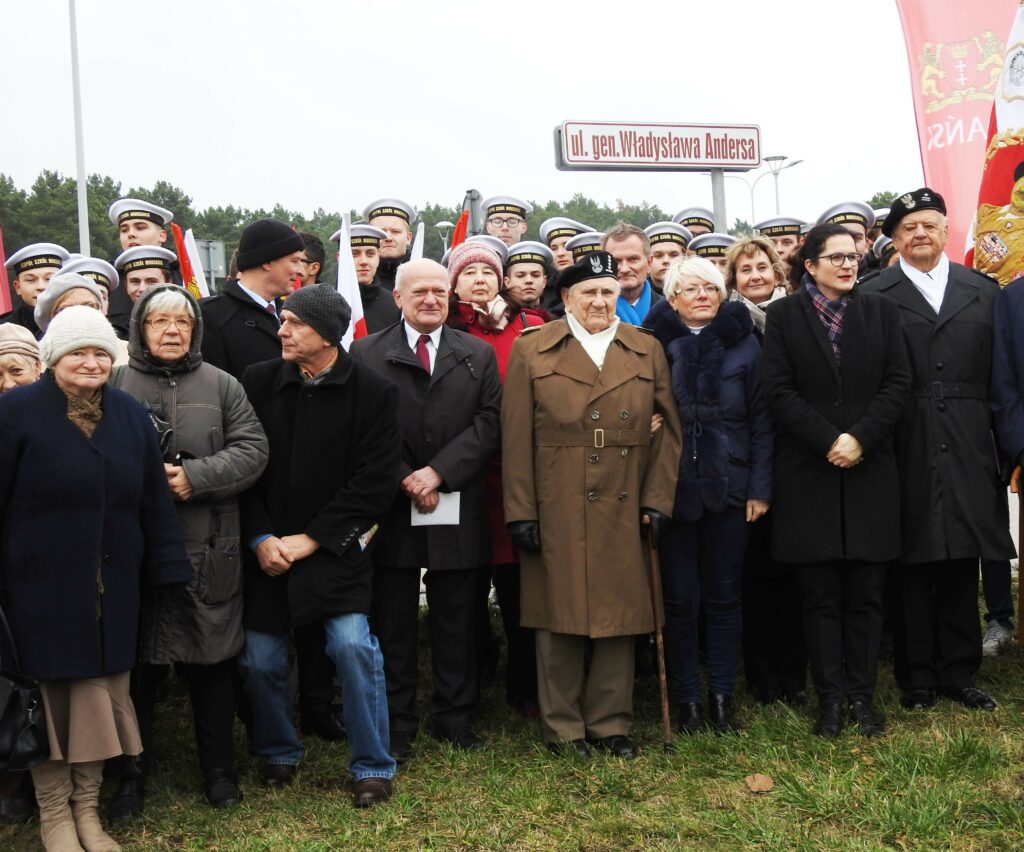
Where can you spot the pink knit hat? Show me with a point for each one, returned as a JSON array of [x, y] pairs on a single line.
[[466, 253]]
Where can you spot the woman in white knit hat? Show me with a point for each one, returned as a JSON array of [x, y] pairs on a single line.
[[85, 516]]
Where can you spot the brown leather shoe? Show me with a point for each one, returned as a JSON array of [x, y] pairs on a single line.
[[372, 791]]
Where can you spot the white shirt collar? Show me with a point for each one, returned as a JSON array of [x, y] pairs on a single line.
[[258, 299], [595, 345], [930, 284], [413, 337]]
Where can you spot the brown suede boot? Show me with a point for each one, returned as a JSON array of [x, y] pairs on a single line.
[[52, 780], [85, 805]]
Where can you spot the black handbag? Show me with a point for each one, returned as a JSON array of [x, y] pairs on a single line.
[[23, 739]]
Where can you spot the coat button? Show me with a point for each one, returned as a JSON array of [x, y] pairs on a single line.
[[836, 403], [594, 459], [595, 415], [939, 365], [625, 451], [591, 496], [944, 447], [624, 415], [622, 496], [106, 558], [941, 406]]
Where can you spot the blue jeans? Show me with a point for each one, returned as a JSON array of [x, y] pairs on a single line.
[[702, 569], [360, 666]]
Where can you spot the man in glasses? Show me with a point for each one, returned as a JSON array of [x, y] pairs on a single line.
[[506, 218], [953, 504], [312, 258]]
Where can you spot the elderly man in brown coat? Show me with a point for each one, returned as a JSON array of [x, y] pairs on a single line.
[[579, 399]]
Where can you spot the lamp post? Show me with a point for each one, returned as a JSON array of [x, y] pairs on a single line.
[[751, 187], [445, 230], [776, 164]]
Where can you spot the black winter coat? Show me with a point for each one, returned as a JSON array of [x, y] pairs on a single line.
[[332, 474], [379, 308], [450, 421], [822, 512], [24, 316], [237, 332], [727, 432], [84, 523], [388, 269], [953, 501]]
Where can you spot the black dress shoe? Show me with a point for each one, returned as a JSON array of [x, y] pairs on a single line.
[[401, 746], [799, 698], [571, 748], [917, 699], [618, 745], [462, 738], [323, 722], [868, 721], [276, 775], [720, 714], [830, 720], [972, 698], [691, 718], [221, 788], [372, 791], [130, 796], [16, 809]]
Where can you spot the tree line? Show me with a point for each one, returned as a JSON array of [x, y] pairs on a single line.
[[48, 212]]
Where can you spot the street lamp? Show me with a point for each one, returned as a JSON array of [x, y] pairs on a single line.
[[445, 230], [750, 186], [776, 164]]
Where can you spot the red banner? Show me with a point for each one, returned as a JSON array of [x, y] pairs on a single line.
[[956, 57]]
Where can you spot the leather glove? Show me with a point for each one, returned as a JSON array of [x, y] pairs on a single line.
[[525, 535], [658, 526]]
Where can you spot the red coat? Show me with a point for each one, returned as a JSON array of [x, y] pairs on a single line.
[[502, 551]]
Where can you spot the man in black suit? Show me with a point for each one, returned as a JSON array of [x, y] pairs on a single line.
[[449, 408], [953, 504]]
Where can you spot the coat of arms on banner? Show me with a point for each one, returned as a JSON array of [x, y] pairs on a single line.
[[960, 71]]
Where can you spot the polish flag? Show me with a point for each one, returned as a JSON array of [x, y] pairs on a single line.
[[348, 284], [192, 275], [6, 303]]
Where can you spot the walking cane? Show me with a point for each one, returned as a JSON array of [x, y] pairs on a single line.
[[659, 642]]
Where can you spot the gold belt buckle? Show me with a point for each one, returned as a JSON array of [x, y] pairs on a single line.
[[599, 439]]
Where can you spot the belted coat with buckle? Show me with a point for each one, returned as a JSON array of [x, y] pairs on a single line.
[[953, 502], [585, 465]]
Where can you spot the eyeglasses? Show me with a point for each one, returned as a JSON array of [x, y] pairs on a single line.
[[507, 222], [163, 323], [838, 259], [706, 289]]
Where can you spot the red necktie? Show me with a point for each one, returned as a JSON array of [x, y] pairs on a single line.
[[270, 310], [421, 351]]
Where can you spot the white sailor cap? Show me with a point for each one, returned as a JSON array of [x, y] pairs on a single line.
[[780, 226], [559, 226], [362, 235], [493, 243], [879, 246], [390, 207], [95, 270], [881, 214], [585, 243], [856, 212], [668, 232], [144, 257], [695, 216], [125, 209], [37, 256], [806, 227], [507, 204], [712, 245], [529, 251]]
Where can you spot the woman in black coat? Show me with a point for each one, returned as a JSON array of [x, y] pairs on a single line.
[[836, 376], [724, 481]]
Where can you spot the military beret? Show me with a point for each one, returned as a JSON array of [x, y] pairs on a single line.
[[920, 199], [596, 264]]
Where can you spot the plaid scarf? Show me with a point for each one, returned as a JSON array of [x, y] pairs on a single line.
[[831, 316]]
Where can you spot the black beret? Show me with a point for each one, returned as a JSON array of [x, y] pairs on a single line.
[[920, 199], [595, 264]]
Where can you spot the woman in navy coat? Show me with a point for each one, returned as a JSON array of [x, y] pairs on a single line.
[[725, 481], [87, 518]]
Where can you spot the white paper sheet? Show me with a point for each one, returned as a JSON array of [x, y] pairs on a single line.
[[446, 513]]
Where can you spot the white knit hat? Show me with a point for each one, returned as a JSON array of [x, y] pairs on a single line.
[[75, 328]]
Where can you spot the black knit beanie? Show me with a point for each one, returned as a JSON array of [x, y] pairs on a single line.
[[265, 240], [323, 309]]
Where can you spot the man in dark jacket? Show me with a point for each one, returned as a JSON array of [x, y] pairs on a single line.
[[241, 322], [310, 523], [450, 402], [953, 504]]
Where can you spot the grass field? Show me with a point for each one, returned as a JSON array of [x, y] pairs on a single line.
[[942, 779]]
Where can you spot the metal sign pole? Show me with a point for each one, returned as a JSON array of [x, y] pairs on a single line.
[[83, 204], [718, 199]]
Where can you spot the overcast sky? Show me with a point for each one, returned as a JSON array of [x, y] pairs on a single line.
[[333, 104]]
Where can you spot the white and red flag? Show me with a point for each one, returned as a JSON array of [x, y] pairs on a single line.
[[348, 284], [192, 275], [6, 303]]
